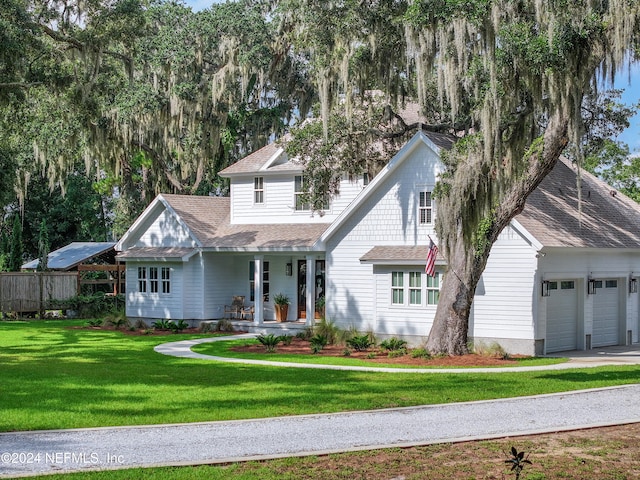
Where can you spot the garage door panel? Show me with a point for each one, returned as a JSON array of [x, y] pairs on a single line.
[[562, 316], [606, 314]]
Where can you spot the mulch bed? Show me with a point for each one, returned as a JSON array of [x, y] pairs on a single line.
[[299, 346]]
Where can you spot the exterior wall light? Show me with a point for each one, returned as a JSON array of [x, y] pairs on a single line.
[[591, 286], [633, 285], [545, 288]]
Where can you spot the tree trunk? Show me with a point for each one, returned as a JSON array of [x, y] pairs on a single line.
[[467, 258]]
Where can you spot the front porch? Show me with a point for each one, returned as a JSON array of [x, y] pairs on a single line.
[[267, 327]]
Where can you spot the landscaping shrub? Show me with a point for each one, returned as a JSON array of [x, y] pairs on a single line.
[[360, 343], [328, 329], [317, 343], [394, 343], [163, 324], [420, 353], [270, 342], [224, 325], [91, 306]]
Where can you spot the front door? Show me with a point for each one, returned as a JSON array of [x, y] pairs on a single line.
[[302, 285]]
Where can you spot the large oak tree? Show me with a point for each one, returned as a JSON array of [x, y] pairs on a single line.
[[509, 79]]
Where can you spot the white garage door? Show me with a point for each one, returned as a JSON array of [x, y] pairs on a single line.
[[562, 316], [606, 314]]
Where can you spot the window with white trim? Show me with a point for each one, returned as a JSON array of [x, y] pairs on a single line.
[[425, 208], [415, 288], [166, 279], [265, 281], [397, 288], [142, 279], [258, 190], [433, 289], [153, 279], [298, 194]]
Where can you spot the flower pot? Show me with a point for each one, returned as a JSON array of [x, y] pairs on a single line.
[[281, 312]]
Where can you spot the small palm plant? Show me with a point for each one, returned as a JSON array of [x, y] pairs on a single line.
[[270, 342], [517, 461]]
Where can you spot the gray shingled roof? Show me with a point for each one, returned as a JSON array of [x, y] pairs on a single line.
[[154, 253], [208, 220], [608, 218], [390, 254]]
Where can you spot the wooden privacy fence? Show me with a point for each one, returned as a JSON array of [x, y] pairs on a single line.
[[33, 291]]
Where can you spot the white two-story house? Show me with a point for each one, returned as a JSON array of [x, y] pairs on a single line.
[[559, 278]]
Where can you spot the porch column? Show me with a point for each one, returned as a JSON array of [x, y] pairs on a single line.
[[258, 303], [311, 289]]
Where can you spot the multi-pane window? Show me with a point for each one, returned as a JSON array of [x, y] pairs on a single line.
[[166, 280], [397, 288], [425, 209], [153, 279], [415, 288], [142, 279], [433, 289], [418, 288], [258, 190], [298, 193], [265, 281]]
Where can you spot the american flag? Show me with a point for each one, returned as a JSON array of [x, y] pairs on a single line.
[[430, 268]]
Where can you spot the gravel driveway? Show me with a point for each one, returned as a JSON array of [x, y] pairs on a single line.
[[28, 453]]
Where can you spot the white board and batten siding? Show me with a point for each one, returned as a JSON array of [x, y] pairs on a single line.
[[278, 204], [379, 220], [504, 297]]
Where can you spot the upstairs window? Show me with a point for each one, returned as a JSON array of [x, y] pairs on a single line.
[[425, 209], [258, 190], [298, 193]]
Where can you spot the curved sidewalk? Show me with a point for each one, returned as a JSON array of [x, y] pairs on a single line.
[[626, 355]]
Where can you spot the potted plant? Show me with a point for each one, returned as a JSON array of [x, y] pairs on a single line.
[[281, 304]]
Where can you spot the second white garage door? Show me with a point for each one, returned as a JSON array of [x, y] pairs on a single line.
[[606, 314]]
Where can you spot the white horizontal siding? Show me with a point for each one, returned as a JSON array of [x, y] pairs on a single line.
[[503, 305], [387, 217], [278, 205], [154, 305], [193, 293]]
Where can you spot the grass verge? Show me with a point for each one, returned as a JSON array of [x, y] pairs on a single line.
[[611, 453]]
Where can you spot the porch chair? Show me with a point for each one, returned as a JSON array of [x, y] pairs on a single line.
[[245, 311], [236, 307]]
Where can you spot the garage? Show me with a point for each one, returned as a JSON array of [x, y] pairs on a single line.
[[606, 314], [562, 316]]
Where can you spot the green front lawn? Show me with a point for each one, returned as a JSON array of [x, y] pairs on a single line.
[[54, 376]]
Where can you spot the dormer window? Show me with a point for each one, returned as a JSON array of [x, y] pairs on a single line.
[[258, 190], [425, 209]]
